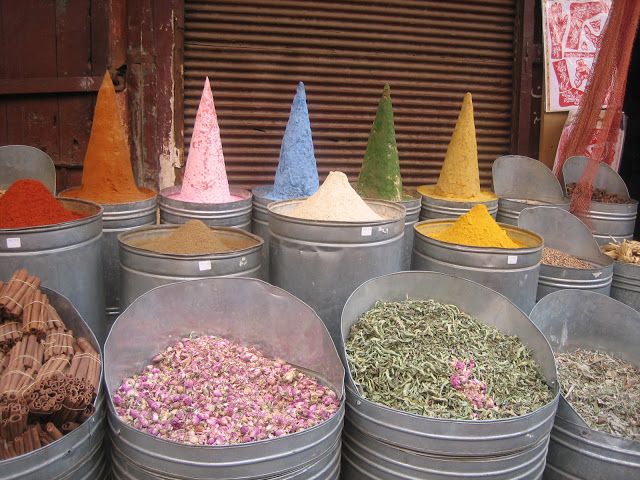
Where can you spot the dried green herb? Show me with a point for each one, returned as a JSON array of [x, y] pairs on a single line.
[[603, 389], [431, 359]]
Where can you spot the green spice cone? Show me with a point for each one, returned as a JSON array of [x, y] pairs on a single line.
[[380, 173]]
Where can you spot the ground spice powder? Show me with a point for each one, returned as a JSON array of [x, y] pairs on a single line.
[[380, 173], [476, 228], [459, 178], [28, 203], [195, 237], [335, 200], [107, 175]]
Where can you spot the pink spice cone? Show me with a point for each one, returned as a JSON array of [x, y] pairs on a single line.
[[205, 177]]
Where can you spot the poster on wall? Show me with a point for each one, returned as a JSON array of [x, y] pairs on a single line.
[[572, 30]]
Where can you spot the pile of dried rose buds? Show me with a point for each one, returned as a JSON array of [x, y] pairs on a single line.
[[210, 391]]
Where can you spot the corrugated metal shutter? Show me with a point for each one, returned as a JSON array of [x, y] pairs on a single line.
[[431, 52]]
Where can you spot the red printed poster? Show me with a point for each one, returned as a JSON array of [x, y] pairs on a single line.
[[572, 30]]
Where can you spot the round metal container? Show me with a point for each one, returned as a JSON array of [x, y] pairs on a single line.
[[625, 286], [412, 208], [610, 221], [596, 279], [23, 161], [509, 208], [79, 455], [247, 311], [260, 225], [435, 208], [143, 270], [571, 319], [66, 256], [118, 218], [384, 443], [322, 262], [235, 214], [512, 272]]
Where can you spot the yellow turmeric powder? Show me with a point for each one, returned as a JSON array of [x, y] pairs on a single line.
[[476, 228], [459, 178]]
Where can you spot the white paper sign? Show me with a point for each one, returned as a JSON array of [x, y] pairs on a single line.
[[14, 242], [204, 265], [366, 231]]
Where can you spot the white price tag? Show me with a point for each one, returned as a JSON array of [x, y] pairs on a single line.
[[14, 242], [366, 231], [204, 265], [512, 259]]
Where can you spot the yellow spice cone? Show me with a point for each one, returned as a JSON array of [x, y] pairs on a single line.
[[460, 176]]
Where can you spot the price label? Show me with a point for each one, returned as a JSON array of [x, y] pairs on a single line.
[[14, 242], [204, 265], [512, 259], [366, 231]]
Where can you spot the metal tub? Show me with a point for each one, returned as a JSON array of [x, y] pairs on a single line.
[[612, 221], [509, 208], [275, 322], [260, 226], [412, 208], [596, 279], [607, 221], [235, 214], [383, 443], [66, 256], [322, 262], [571, 319], [142, 270], [625, 286], [79, 455], [435, 208], [513, 272]]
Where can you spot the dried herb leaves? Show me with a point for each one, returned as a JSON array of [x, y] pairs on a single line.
[[404, 355], [603, 389]]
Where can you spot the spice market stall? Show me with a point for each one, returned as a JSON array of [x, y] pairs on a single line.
[[595, 339], [233, 389], [51, 396], [445, 378]]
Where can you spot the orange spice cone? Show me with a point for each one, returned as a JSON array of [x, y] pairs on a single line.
[[107, 175]]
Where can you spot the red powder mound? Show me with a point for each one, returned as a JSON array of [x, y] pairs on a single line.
[[28, 203]]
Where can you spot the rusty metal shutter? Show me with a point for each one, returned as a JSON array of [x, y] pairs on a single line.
[[431, 52]]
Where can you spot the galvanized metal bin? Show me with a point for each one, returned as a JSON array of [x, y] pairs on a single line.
[[607, 221], [116, 219], [248, 311], [509, 209], [236, 214], [322, 262], [66, 256], [384, 443], [625, 286], [412, 208], [512, 272], [571, 319], [260, 225], [24, 161], [142, 270], [79, 455], [565, 232], [435, 208]]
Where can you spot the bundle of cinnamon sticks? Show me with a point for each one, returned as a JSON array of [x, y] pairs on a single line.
[[48, 378]]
